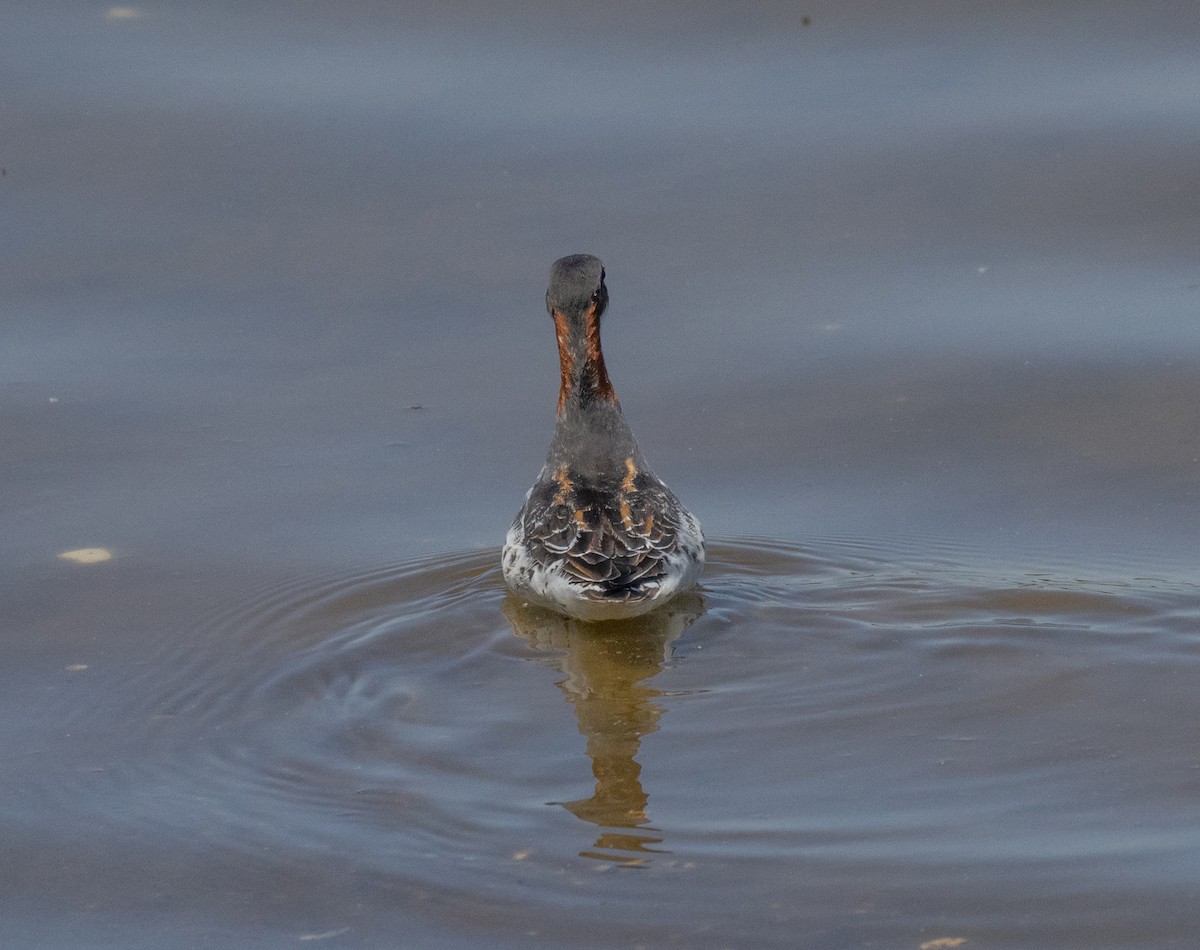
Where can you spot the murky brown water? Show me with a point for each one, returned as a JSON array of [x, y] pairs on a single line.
[[905, 307]]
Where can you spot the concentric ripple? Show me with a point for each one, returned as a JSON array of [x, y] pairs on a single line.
[[820, 720]]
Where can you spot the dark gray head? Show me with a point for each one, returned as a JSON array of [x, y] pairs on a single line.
[[577, 285]]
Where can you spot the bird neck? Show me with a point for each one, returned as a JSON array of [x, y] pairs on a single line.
[[593, 439], [584, 379]]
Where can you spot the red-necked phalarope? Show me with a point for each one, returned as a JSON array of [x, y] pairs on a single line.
[[599, 536]]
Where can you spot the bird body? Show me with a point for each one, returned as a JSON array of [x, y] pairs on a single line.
[[600, 537]]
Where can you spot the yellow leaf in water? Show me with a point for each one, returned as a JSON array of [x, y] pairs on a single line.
[[86, 555], [122, 13], [943, 943]]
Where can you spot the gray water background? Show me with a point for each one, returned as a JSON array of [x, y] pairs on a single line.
[[914, 279]]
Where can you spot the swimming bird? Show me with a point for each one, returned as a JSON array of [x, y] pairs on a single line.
[[600, 537]]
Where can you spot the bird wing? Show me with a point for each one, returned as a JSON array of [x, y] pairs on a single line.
[[597, 532]]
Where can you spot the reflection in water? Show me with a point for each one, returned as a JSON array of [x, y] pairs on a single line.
[[338, 743], [607, 671]]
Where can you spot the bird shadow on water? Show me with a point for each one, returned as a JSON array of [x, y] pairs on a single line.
[[608, 671]]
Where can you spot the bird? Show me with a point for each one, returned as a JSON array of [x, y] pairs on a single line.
[[599, 537]]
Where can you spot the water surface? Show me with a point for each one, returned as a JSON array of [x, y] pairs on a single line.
[[904, 306], [864, 749]]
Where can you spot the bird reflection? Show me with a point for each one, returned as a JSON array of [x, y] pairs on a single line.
[[607, 669]]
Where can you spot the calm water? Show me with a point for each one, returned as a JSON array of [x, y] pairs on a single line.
[[905, 306]]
